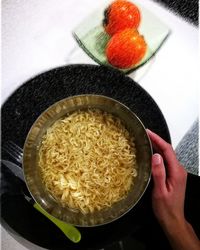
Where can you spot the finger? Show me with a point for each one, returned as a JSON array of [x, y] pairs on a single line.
[[158, 173], [158, 141], [166, 150]]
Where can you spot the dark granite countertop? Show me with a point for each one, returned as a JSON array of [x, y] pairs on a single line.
[[188, 9]]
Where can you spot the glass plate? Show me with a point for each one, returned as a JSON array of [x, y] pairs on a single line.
[[92, 38]]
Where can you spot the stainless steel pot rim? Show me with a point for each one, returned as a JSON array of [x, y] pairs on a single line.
[[105, 98]]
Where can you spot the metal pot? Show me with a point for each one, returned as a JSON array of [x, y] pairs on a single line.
[[31, 168]]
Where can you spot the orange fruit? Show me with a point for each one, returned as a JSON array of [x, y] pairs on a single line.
[[121, 15], [126, 48]]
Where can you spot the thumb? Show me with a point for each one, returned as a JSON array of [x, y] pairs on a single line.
[[158, 172]]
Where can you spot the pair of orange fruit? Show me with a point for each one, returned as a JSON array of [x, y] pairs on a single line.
[[126, 46]]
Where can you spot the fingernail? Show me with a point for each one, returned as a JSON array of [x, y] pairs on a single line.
[[149, 131], [157, 159]]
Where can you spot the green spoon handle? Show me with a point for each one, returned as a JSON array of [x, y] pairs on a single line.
[[70, 231]]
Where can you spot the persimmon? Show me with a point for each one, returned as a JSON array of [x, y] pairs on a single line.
[[125, 49], [121, 15]]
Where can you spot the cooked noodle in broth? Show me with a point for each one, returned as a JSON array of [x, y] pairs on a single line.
[[88, 160]]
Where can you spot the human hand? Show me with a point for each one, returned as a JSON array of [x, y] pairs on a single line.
[[169, 178], [168, 195]]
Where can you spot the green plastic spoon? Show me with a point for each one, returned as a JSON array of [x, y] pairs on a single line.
[[70, 231]]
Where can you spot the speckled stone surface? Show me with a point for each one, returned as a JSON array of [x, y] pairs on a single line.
[[188, 9], [18, 114], [187, 150], [27, 103]]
